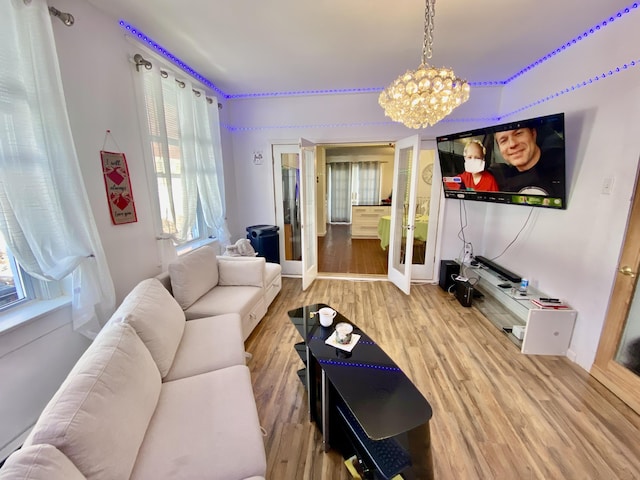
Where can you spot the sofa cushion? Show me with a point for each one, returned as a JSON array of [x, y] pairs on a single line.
[[205, 426], [223, 300], [241, 271], [100, 414], [208, 344], [39, 462], [157, 319], [193, 275]]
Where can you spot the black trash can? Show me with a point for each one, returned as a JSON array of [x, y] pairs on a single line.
[[266, 241]]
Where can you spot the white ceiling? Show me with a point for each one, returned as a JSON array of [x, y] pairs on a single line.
[[252, 46]]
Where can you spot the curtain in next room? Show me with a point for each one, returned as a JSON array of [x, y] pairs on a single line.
[[339, 192], [367, 182]]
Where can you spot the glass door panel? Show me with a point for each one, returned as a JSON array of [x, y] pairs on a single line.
[[403, 212], [286, 177]]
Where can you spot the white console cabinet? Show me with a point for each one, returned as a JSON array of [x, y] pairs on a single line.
[[365, 218], [546, 331]]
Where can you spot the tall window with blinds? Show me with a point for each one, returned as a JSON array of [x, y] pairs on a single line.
[[184, 139]]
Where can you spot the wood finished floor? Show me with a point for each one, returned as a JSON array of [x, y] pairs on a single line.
[[339, 253], [497, 414]]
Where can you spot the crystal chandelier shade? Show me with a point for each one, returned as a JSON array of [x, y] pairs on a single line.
[[426, 95]]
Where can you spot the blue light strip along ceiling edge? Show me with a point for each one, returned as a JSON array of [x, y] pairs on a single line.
[[591, 31]]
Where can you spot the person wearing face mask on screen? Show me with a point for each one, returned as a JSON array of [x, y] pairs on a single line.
[[475, 177]]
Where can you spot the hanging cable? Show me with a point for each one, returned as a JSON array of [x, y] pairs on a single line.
[[517, 235]]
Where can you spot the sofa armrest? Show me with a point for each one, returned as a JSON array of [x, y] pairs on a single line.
[[241, 271], [40, 462]]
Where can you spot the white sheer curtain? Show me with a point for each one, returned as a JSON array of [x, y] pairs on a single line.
[[208, 158], [185, 145], [339, 192], [367, 176], [45, 214]]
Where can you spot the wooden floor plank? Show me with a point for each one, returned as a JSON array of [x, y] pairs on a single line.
[[497, 414]]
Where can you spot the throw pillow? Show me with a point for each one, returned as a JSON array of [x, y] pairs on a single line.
[[157, 319], [234, 271], [99, 416], [193, 275]]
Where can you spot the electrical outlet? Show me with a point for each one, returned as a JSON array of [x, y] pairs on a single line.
[[607, 186], [468, 251]]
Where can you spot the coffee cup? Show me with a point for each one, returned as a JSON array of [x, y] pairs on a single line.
[[326, 316], [343, 333]]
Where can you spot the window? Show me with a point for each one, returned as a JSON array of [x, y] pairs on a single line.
[[45, 217], [12, 287], [186, 156]]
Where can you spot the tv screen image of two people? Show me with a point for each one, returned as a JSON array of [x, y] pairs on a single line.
[[519, 163]]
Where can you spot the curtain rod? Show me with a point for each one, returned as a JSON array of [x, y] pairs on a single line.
[[140, 61], [65, 18]]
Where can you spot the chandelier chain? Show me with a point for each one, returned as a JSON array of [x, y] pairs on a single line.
[[429, 14]]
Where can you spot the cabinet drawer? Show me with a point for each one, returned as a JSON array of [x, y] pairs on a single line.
[[365, 212]]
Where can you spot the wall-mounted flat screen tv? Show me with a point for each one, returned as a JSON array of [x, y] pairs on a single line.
[[521, 163]]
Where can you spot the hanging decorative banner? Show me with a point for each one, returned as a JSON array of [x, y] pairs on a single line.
[[118, 186]]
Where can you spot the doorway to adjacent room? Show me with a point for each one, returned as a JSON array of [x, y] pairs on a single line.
[[352, 204]]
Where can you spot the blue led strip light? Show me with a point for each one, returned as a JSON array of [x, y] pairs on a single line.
[[335, 91], [360, 342], [359, 365], [232, 128], [570, 43], [584, 83], [169, 56]]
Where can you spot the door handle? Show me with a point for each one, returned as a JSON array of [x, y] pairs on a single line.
[[627, 271]]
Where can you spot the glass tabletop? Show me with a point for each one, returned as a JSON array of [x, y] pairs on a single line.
[[378, 393]]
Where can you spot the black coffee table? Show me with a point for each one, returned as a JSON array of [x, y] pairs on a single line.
[[362, 402]]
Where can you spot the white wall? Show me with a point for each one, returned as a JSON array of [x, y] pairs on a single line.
[[321, 119], [573, 253], [34, 360], [98, 80], [570, 254]]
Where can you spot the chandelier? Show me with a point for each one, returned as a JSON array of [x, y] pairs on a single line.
[[425, 96]]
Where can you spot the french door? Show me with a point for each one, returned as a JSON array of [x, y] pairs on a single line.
[[617, 363], [294, 173], [403, 212], [308, 212]]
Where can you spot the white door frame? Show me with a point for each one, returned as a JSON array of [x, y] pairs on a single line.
[[307, 159], [403, 213]]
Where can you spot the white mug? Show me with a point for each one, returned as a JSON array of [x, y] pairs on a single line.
[[326, 316], [343, 333]]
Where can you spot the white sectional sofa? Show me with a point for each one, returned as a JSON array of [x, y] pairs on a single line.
[[154, 397], [205, 284]]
